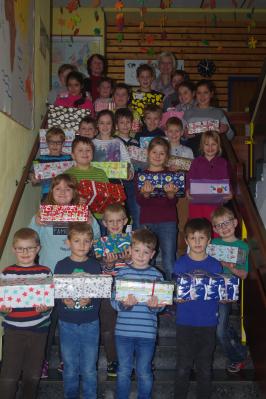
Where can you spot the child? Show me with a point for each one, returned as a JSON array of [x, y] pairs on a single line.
[[104, 101], [224, 224], [174, 132], [152, 118], [87, 127], [63, 71], [145, 95], [136, 326], [121, 95], [172, 100], [25, 329], [210, 165], [79, 319], [204, 111], [76, 95], [186, 96], [55, 138], [159, 213], [196, 320]]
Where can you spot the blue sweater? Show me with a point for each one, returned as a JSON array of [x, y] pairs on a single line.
[[137, 321], [198, 313]]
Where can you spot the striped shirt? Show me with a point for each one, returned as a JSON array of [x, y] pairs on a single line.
[[139, 320], [27, 318]]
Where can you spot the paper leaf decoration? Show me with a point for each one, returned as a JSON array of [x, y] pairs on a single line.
[[162, 4], [252, 42], [141, 26], [97, 31], [96, 16], [76, 32], [205, 42], [143, 50], [72, 5], [149, 39], [119, 5], [120, 37], [119, 21], [96, 3], [142, 11], [61, 21], [151, 51]]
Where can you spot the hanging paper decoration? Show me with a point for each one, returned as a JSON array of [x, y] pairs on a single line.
[[72, 5], [96, 16], [214, 20], [205, 42], [213, 3], [70, 24], [97, 31], [61, 22], [149, 39], [76, 32], [252, 42], [120, 37], [141, 26], [96, 3], [143, 50], [151, 51], [119, 5], [163, 21], [119, 21], [162, 4], [142, 11]]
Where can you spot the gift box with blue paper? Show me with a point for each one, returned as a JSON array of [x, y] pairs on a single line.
[[113, 243], [160, 179]]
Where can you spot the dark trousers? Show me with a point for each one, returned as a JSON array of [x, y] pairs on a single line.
[[195, 345], [51, 335], [107, 321], [23, 352]]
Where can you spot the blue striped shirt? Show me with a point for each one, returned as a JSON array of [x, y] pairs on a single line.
[[137, 321]]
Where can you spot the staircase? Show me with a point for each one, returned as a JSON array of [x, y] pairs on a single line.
[[239, 386]]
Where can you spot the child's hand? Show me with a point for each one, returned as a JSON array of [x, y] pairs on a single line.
[[70, 303], [180, 301], [130, 172], [34, 181], [147, 189], [229, 265], [84, 301], [130, 301], [5, 309], [42, 308], [38, 220], [153, 302], [111, 258], [126, 254], [223, 128], [170, 190], [228, 197]]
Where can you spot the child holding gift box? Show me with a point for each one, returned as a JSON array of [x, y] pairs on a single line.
[[209, 165], [79, 319], [159, 213], [104, 101], [196, 320], [136, 326], [87, 127], [25, 329], [224, 223], [151, 117]]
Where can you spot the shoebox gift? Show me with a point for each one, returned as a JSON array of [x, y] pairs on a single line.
[[66, 117], [48, 170], [209, 191], [69, 134], [137, 153], [82, 285], [179, 163], [113, 170], [145, 141], [231, 288], [227, 253], [160, 179], [113, 243], [144, 289], [203, 126], [64, 213], [26, 292]]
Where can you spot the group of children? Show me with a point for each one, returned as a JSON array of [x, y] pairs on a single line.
[[128, 329]]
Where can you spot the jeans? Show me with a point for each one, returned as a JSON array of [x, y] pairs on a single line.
[[131, 202], [227, 336], [79, 347], [107, 320], [166, 233], [143, 348]]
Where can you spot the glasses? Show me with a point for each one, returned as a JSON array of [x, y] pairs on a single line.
[[219, 226], [55, 142], [21, 250]]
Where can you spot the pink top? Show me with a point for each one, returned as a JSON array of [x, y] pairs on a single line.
[[69, 101]]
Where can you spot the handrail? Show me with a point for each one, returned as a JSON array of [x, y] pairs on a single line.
[[19, 192]]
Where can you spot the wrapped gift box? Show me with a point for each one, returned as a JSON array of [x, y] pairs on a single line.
[[70, 135], [226, 253], [82, 285], [145, 141], [144, 289], [26, 292], [137, 154], [231, 291], [99, 195], [113, 243], [66, 118], [64, 213], [113, 170], [209, 191], [160, 179], [179, 163], [183, 287], [203, 126], [48, 170]]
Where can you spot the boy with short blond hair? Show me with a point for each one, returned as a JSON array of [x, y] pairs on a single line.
[[151, 117], [25, 329], [87, 127], [224, 224], [79, 319]]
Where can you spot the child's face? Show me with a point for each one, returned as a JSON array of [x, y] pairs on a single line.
[[63, 76], [55, 145], [105, 125], [96, 66], [210, 148], [87, 130], [74, 87], [62, 193], [185, 95], [197, 243], [145, 80], [176, 80], [152, 120], [174, 133], [25, 251], [141, 255], [225, 226], [80, 245], [105, 90], [120, 98], [157, 156], [124, 126], [82, 154], [114, 222], [203, 96]]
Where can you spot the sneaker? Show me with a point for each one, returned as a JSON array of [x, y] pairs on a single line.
[[60, 368], [112, 369], [45, 368], [236, 367]]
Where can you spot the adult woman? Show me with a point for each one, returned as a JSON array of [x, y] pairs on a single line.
[[167, 65], [96, 67]]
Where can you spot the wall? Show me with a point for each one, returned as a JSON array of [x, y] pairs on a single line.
[[16, 141]]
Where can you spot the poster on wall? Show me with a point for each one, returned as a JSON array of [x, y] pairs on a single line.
[[17, 60], [73, 50], [131, 67]]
